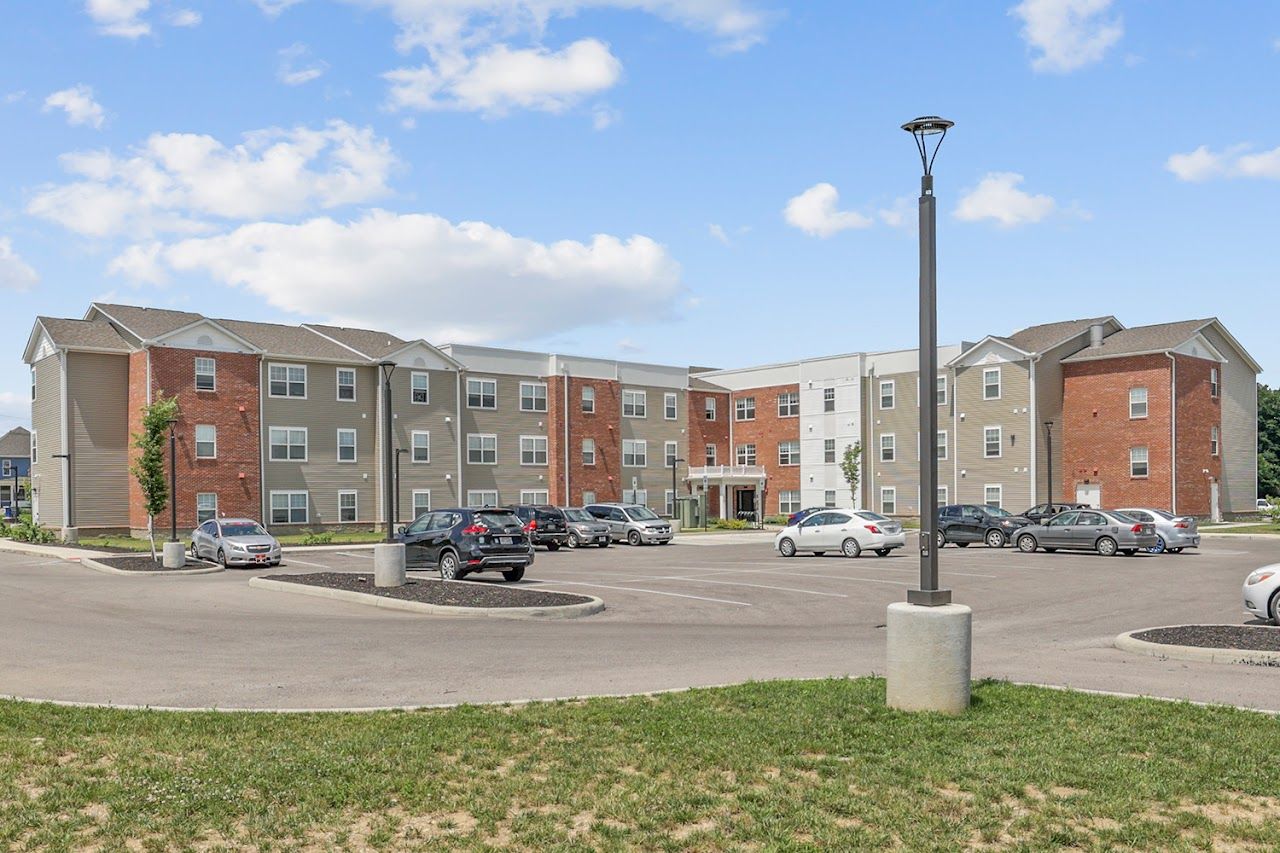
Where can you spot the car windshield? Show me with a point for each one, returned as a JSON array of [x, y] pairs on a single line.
[[578, 515], [642, 513], [1165, 515], [872, 516], [249, 529], [998, 512], [1124, 519], [497, 519]]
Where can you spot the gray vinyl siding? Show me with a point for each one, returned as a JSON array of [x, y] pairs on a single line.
[[655, 431], [1239, 394], [903, 421], [508, 477], [430, 418], [96, 386], [47, 421], [1049, 408], [1012, 413]]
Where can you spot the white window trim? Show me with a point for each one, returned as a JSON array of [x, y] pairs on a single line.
[[592, 453], [636, 396], [743, 401], [740, 456], [835, 457], [670, 451], [6, 470], [196, 365], [545, 397], [1146, 403], [413, 501], [1215, 441], [829, 504], [945, 497], [669, 503], [355, 446], [213, 495], [196, 437], [893, 395], [999, 442], [796, 456], [709, 409], [306, 381], [789, 395], [713, 458], [427, 402], [999, 383], [674, 408], [987, 487], [788, 497], [546, 450], [586, 502], [942, 394], [337, 385], [1215, 387], [472, 505], [826, 399], [889, 490], [355, 495], [893, 446], [588, 398], [306, 444], [527, 500], [413, 448], [467, 394], [482, 435], [945, 446], [291, 492], [1146, 462], [636, 443]]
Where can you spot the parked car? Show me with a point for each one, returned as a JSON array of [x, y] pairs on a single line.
[[545, 525], [967, 523], [1104, 531], [1264, 505], [1173, 533], [584, 528], [632, 523], [1262, 593], [799, 514], [1040, 512], [845, 530], [459, 542], [235, 542]]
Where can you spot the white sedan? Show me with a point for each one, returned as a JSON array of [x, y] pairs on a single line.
[[1262, 593], [848, 531]]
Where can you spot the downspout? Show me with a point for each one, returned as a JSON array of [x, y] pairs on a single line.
[[952, 392], [867, 454], [262, 445], [1031, 425], [457, 433], [568, 501], [1173, 433], [66, 448]]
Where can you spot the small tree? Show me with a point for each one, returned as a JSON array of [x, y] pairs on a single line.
[[148, 468], [851, 467]]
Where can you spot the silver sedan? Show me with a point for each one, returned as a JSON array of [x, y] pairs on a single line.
[[1173, 533], [235, 542], [1104, 531]]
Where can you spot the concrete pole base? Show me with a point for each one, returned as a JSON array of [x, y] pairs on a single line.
[[930, 657], [174, 556], [71, 535], [388, 564]]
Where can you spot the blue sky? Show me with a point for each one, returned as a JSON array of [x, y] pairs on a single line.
[[715, 182]]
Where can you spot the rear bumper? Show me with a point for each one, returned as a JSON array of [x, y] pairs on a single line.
[[1183, 540], [547, 538], [478, 562]]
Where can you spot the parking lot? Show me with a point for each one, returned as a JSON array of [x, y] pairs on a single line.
[[682, 615]]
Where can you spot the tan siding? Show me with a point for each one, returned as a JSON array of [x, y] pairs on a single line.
[[46, 419], [97, 386], [508, 477], [653, 429], [903, 421], [1007, 413], [430, 418], [1239, 487]]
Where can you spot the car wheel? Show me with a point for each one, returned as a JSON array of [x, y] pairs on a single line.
[[1027, 544], [450, 568], [1274, 609], [513, 575], [1107, 546], [633, 538], [882, 552], [553, 546], [573, 540], [787, 548], [942, 539], [850, 548], [194, 555], [1160, 547], [222, 558], [995, 539]]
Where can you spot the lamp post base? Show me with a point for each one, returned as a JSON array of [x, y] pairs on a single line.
[[173, 556], [71, 535], [930, 653], [388, 564], [929, 597]]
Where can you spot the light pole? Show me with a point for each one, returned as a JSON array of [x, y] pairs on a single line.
[[1048, 455], [173, 480], [675, 500]]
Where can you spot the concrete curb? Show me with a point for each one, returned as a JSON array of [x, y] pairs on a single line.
[[1126, 642], [1246, 537], [566, 611], [90, 563], [55, 552]]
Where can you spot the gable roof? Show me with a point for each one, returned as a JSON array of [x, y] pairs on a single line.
[[1142, 340], [78, 335], [147, 323], [16, 443], [1046, 336], [289, 341], [368, 342]]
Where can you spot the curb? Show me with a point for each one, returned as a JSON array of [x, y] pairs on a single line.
[[57, 552], [90, 563], [1126, 642], [1247, 537], [566, 611]]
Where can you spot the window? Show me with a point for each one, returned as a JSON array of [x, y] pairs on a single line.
[[888, 393], [888, 500], [942, 496], [829, 498], [710, 451], [537, 497], [942, 444], [346, 445], [888, 447], [289, 507], [533, 450], [6, 469], [588, 400], [206, 507], [1137, 403], [828, 399], [670, 452], [669, 406], [420, 442], [745, 409], [477, 498], [288, 444], [206, 441], [421, 502], [346, 384], [533, 396], [1138, 462], [942, 390], [346, 507], [993, 495], [829, 450], [419, 388], [206, 374], [991, 383], [669, 503], [482, 393], [287, 380], [746, 454], [1213, 440], [636, 496], [33, 386], [789, 405], [588, 451], [482, 449], [635, 404], [992, 441], [789, 453], [788, 502], [588, 498], [635, 454], [34, 456], [708, 408], [1213, 382]]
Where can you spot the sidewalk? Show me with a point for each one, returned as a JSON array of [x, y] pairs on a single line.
[[53, 552]]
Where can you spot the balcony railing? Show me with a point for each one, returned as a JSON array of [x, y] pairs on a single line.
[[727, 472]]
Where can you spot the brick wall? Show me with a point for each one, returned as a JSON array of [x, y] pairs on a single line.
[[604, 478], [1198, 413], [703, 432], [767, 431]]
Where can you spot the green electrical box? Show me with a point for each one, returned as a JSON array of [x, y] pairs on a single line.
[[691, 511]]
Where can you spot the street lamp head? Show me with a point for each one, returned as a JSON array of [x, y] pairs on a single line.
[[923, 127]]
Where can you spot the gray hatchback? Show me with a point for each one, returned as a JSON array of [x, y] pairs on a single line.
[[1104, 531], [235, 542], [585, 529]]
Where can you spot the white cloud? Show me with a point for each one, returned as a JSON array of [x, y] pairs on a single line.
[[15, 406], [78, 103], [500, 79], [998, 198], [120, 17], [425, 275], [140, 263], [1234, 162], [15, 273], [816, 212], [1067, 34], [178, 182], [295, 68], [185, 18], [604, 117], [273, 8], [718, 232]]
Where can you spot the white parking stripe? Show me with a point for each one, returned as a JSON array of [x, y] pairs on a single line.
[[650, 591], [292, 561], [352, 554], [826, 577]]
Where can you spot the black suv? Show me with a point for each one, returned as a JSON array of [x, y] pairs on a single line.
[[545, 525], [461, 541], [965, 523], [1041, 513]]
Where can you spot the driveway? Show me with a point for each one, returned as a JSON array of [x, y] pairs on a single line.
[[679, 616]]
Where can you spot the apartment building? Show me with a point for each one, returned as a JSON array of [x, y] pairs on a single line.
[[15, 470]]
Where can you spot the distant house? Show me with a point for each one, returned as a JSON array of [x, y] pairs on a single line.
[[15, 469]]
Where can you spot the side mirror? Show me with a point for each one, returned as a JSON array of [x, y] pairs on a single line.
[[401, 530]]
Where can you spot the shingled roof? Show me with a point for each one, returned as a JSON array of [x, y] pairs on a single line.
[[290, 341], [16, 443], [1036, 339], [1161, 337], [83, 334], [148, 323], [372, 343]]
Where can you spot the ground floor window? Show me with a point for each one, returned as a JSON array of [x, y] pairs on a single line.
[[788, 502], [347, 507], [206, 507], [289, 508], [635, 496], [888, 500], [669, 503], [942, 496], [534, 496], [421, 502], [588, 498], [482, 497], [829, 498], [993, 495]]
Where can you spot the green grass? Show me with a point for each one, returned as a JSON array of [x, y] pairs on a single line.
[[124, 543], [818, 765], [1248, 528], [355, 537], [351, 537]]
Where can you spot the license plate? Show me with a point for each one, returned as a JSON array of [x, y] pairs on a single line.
[[506, 540]]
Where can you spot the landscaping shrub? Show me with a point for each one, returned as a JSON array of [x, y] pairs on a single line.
[[777, 519], [731, 524], [28, 531], [312, 537]]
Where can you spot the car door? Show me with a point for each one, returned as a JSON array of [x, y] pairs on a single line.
[[200, 539], [1088, 527], [1058, 530], [838, 528], [617, 522], [811, 531], [972, 524], [416, 540], [948, 517]]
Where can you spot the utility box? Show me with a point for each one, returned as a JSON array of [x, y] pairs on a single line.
[[691, 510]]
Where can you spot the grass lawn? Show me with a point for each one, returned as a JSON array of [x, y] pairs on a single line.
[[355, 537], [783, 765]]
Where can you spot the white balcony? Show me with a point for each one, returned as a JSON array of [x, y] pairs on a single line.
[[742, 475]]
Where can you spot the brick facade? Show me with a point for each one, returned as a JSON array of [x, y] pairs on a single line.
[[1199, 411], [703, 432], [767, 431], [604, 478]]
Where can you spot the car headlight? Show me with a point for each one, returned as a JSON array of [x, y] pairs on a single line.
[[236, 546], [1259, 577]]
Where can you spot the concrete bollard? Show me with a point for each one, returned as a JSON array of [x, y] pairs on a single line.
[[174, 556], [71, 535], [388, 564], [929, 657]]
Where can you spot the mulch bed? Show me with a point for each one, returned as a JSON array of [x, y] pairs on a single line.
[[144, 563], [431, 591], [1244, 637]]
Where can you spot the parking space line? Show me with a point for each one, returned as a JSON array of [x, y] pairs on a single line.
[[650, 591], [352, 554], [825, 577], [294, 561]]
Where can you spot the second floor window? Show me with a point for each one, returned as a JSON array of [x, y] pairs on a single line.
[[888, 447], [206, 375], [482, 449], [421, 447], [991, 383], [346, 445], [1138, 462], [634, 404], [588, 400], [669, 406], [206, 441], [788, 404], [828, 399], [711, 454], [588, 451], [991, 442], [1213, 382], [709, 408], [635, 454], [346, 384], [789, 453], [828, 450], [533, 450], [942, 390], [1213, 440], [1137, 402], [671, 452], [287, 380], [745, 409], [533, 397], [482, 394], [288, 444], [888, 394], [746, 454], [420, 388]]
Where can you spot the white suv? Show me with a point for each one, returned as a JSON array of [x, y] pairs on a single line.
[[632, 523]]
